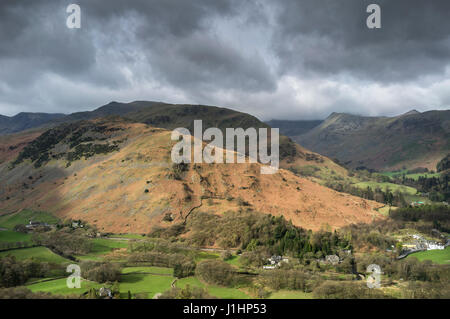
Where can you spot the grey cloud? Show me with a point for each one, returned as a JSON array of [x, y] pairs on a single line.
[[119, 34], [201, 61], [329, 37], [290, 58]]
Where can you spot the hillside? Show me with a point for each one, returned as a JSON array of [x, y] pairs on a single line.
[[171, 116], [118, 175], [408, 141]]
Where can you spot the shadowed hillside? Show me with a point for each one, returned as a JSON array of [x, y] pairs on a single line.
[[25, 121], [384, 143], [294, 128]]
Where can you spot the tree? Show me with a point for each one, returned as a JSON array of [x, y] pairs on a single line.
[[216, 272]]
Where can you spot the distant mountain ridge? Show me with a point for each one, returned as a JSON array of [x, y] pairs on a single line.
[[409, 140], [294, 128], [24, 121], [171, 116]]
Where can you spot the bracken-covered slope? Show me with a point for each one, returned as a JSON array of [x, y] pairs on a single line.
[[171, 116], [384, 143], [119, 176]]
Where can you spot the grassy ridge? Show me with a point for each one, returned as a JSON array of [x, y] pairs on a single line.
[[42, 254]]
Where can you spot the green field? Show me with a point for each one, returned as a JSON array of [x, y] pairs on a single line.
[[393, 187], [152, 270], [191, 281], [227, 293], [24, 217], [59, 287], [235, 261], [144, 283], [436, 256], [290, 294], [135, 283], [202, 255], [42, 254], [217, 291], [13, 237], [102, 246]]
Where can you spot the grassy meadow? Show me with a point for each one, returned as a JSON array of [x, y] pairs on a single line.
[[436, 256], [13, 237]]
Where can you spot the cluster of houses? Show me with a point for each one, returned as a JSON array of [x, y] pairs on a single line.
[[34, 225], [334, 259], [275, 262], [421, 243]]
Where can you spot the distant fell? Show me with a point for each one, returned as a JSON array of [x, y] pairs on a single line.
[[294, 128], [25, 121], [409, 140]]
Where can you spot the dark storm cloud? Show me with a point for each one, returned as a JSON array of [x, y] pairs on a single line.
[[328, 37], [290, 58], [172, 37], [34, 42]]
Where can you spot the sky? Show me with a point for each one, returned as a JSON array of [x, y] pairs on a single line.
[[290, 59]]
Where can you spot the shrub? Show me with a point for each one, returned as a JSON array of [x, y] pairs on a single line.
[[186, 293], [178, 170], [184, 269], [346, 290], [226, 255]]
